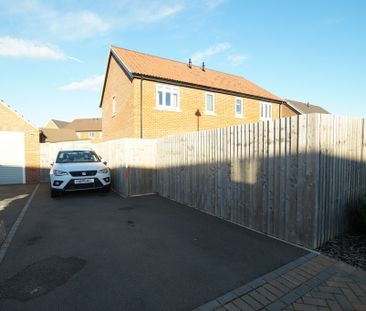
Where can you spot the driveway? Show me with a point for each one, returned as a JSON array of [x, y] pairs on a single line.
[[12, 200], [95, 251]]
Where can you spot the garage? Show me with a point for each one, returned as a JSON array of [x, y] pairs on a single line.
[[19, 148], [12, 165]]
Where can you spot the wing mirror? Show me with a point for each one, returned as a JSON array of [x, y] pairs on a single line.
[[105, 162]]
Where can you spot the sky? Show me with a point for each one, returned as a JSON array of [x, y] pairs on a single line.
[[53, 54]]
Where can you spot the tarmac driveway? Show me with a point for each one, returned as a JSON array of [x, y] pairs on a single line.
[[95, 251]]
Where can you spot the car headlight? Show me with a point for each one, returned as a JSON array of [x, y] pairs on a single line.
[[60, 173], [104, 171]]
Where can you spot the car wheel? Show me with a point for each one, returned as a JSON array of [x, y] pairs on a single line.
[[54, 193]]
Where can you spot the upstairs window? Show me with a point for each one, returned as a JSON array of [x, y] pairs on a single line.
[[210, 103], [266, 111], [91, 135], [239, 107], [113, 106], [167, 97]]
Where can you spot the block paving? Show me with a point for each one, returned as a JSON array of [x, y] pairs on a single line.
[[312, 282]]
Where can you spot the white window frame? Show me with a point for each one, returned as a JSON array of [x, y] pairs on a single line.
[[91, 135], [241, 114], [213, 104], [167, 89], [113, 106], [265, 112], [78, 134]]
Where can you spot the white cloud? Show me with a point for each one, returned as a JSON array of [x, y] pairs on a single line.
[[75, 25], [202, 55], [237, 59], [14, 47], [93, 83], [157, 14], [211, 4]]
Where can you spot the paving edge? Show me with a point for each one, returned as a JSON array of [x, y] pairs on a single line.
[[242, 290]]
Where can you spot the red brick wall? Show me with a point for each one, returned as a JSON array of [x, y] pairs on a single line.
[[157, 123], [118, 85]]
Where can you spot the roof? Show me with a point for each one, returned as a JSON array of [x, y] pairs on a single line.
[[57, 135], [18, 114], [59, 123], [84, 125], [138, 65], [305, 108]]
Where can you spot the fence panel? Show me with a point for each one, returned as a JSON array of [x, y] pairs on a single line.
[[291, 178]]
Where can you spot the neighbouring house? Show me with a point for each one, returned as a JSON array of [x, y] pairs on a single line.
[[83, 129], [146, 96], [56, 124], [304, 108], [19, 145], [87, 128], [55, 135]]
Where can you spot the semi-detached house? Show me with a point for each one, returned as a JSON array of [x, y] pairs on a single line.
[[146, 96]]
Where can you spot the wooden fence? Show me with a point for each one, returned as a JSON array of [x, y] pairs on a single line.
[[291, 178]]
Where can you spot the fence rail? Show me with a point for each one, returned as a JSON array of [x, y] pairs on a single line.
[[290, 178]]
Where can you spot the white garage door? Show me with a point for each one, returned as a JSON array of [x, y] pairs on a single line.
[[12, 162]]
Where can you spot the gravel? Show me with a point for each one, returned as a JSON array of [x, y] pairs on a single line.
[[349, 248]]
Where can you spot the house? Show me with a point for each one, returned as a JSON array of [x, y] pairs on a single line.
[[83, 129], [87, 128], [56, 124], [146, 96], [55, 135], [19, 145], [304, 108]]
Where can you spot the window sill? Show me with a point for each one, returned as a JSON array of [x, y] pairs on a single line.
[[209, 113], [239, 116], [168, 109]]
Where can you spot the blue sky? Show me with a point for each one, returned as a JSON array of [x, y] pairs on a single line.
[[53, 53]]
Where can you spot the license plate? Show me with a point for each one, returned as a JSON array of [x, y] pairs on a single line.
[[84, 181]]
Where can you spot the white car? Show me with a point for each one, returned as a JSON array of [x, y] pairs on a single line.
[[78, 170]]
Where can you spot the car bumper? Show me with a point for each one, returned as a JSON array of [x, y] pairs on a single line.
[[68, 183]]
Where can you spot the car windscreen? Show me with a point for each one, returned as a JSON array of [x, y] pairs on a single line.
[[77, 156]]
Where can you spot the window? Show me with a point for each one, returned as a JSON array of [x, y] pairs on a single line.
[[266, 111], [91, 135], [210, 103], [167, 97], [113, 106], [239, 107], [78, 135]]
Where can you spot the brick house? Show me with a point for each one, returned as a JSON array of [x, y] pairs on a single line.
[[83, 129], [148, 96], [87, 128], [19, 145]]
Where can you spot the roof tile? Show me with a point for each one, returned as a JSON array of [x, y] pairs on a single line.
[[157, 67]]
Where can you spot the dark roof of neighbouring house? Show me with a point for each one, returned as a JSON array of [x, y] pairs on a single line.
[[143, 65], [305, 108], [59, 123], [58, 135], [85, 125]]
